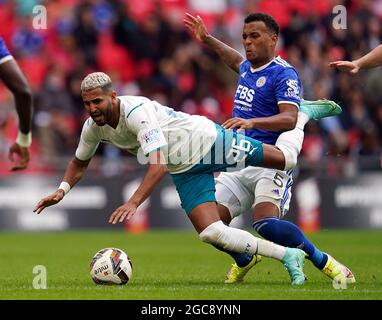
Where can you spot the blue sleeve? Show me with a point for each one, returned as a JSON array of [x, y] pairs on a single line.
[[244, 65], [288, 87], [4, 52]]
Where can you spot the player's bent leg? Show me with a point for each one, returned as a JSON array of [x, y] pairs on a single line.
[[203, 216], [264, 210], [272, 196], [288, 234], [224, 214], [268, 198], [238, 151], [237, 272], [198, 189], [283, 155], [238, 240], [232, 204], [289, 144], [241, 241], [243, 261], [273, 158]]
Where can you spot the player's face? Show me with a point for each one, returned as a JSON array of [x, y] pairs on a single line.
[[259, 43], [99, 105]]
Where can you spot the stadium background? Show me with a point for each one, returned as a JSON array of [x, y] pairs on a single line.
[[144, 47]]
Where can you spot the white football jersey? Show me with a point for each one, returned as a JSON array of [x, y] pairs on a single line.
[[145, 126]]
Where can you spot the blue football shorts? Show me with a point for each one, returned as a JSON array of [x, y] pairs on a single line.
[[231, 151]]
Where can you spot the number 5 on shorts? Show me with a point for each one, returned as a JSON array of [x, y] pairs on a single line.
[[278, 180]]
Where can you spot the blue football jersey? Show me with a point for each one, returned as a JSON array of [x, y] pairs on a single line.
[[5, 55], [260, 91]]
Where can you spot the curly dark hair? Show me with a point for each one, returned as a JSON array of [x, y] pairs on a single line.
[[268, 20]]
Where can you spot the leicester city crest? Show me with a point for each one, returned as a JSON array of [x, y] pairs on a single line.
[[260, 82]]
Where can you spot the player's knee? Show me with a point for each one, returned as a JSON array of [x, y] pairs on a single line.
[[224, 213], [290, 157], [212, 233]]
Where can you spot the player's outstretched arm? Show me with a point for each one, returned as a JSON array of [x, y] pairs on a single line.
[[370, 60], [15, 81], [74, 172], [347, 66], [230, 56], [154, 174]]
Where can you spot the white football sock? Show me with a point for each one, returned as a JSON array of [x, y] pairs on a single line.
[[270, 249], [290, 142], [240, 241], [302, 120]]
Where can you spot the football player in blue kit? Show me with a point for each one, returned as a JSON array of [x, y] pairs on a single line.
[[15, 81], [267, 103]]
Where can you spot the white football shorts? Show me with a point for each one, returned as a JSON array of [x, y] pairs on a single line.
[[241, 190]]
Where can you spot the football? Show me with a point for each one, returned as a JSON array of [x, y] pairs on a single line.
[[111, 266]]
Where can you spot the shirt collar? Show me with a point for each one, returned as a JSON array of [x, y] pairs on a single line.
[[263, 66]]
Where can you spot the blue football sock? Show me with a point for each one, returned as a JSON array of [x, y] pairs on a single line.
[[241, 259], [289, 235]]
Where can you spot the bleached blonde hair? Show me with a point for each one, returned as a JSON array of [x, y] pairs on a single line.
[[96, 80]]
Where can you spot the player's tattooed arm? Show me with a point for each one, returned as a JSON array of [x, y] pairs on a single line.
[[228, 55]]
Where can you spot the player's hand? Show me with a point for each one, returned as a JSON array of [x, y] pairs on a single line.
[[196, 26], [19, 156], [125, 211], [238, 123], [347, 66], [49, 201]]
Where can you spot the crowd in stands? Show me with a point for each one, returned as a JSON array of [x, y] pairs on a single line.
[[143, 45]]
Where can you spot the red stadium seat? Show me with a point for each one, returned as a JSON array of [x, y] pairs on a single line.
[[7, 24], [113, 57], [277, 9], [34, 69]]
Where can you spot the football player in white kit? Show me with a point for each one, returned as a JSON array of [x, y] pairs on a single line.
[[191, 148], [266, 104]]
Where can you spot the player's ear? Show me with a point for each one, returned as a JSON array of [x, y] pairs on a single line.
[[274, 38], [113, 94]]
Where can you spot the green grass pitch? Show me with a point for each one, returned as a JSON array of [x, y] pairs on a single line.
[[177, 265]]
